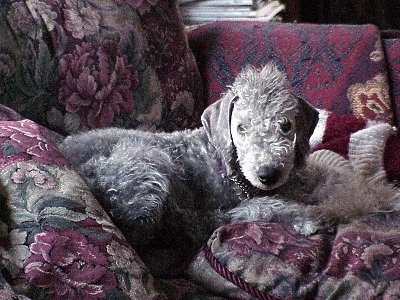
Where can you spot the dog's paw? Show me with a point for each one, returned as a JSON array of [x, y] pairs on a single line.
[[250, 213], [307, 227]]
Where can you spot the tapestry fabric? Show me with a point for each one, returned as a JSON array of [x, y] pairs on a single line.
[[359, 262], [341, 68], [73, 65], [391, 43], [56, 240]]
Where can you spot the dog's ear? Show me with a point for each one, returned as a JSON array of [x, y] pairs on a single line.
[[216, 120], [306, 121]]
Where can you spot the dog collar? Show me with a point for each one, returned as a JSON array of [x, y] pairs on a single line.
[[242, 184], [246, 187]]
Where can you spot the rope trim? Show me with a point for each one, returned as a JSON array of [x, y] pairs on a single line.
[[233, 278]]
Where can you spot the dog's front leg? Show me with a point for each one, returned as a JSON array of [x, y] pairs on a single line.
[[272, 209]]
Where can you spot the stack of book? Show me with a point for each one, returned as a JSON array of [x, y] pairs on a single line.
[[202, 11]]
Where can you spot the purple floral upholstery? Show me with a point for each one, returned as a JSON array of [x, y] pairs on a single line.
[[72, 65], [337, 67], [175, 65], [360, 262], [56, 241]]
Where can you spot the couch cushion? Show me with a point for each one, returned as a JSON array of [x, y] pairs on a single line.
[[337, 67], [259, 260], [78, 64], [56, 241]]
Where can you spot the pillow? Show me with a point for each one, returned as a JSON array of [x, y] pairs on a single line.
[[259, 260], [341, 68], [56, 240], [73, 65]]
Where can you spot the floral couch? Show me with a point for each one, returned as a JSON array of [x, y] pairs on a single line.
[[71, 65]]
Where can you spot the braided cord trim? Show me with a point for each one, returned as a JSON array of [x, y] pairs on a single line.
[[233, 278]]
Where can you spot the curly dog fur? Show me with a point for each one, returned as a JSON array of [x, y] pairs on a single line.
[[248, 162]]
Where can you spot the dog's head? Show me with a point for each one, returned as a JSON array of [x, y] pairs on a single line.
[[261, 128]]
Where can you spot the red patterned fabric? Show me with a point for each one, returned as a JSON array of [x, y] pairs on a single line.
[[391, 43], [337, 133], [173, 61], [336, 137], [335, 67]]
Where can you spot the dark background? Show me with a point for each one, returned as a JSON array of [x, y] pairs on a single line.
[[383, 13]]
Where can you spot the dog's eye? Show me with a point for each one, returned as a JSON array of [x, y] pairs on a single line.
[[241, 129], [285, 125], [112, 194]]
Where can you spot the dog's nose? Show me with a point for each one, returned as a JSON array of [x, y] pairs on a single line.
[[268, 175]]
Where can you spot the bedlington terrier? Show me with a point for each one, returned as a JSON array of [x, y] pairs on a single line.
[[247, 162]]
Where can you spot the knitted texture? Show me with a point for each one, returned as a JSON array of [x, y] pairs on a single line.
[[363, 143], [366, 150], [332, 159]]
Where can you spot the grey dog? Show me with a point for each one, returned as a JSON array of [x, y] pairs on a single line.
[[247, 162]]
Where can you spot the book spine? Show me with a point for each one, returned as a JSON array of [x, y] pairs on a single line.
[[273, 7], [254, 4]]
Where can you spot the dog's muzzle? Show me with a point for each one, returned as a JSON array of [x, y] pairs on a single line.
[[269, 176]]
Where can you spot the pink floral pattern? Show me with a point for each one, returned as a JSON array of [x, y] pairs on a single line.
[[64, 262], [24, 140], [96, 83], [26, 172], [245, 238], [80, 19], [85, 64], [366, 253], [59, 242]]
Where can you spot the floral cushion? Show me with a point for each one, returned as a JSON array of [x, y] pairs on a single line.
[[56, 240], [341, 68], [260, 260], [72, 65]]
